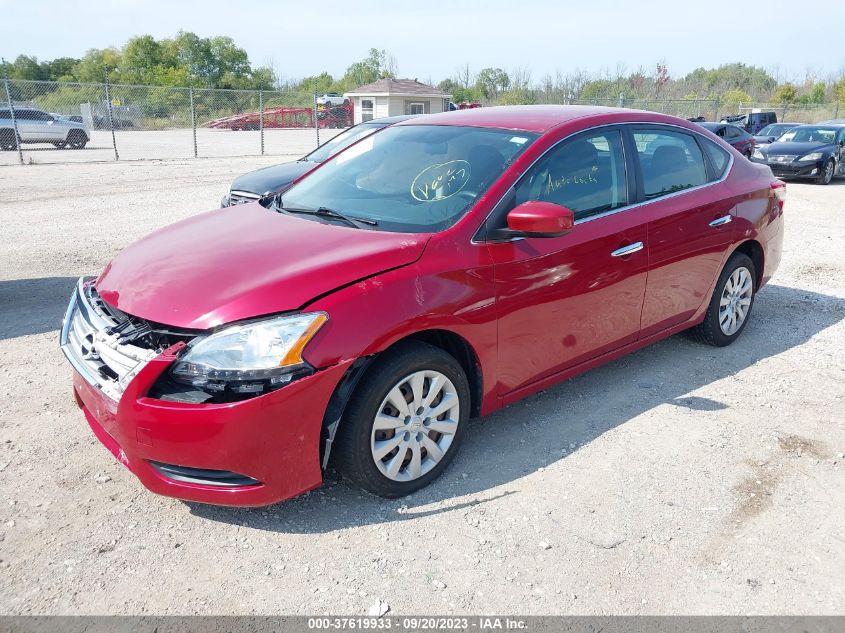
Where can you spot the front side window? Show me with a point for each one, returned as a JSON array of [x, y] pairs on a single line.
[[411, 178], [732, 132], [585, 174], [669, 162]]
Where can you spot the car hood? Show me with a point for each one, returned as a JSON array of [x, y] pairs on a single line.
[[793, 149], [244, 262], [763, 140], [273, 178]]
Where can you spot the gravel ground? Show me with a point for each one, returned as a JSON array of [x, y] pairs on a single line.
[[680, 479], [173, 144]]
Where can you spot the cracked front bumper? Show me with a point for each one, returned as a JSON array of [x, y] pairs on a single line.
[[272, 440]]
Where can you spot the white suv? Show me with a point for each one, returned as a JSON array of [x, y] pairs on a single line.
[[330, 99], [37, 126]]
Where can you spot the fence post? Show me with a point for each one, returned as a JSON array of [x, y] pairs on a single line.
[[111, 118], [621, 100], [316, 120], [12, 110], [193, 117], [783, 116], [716, 109], [261, 118], [836, 115]]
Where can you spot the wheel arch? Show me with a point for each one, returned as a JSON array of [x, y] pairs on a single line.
[[450, 342], [754, 250]]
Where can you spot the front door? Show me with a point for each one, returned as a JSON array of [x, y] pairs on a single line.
[[564, 300]]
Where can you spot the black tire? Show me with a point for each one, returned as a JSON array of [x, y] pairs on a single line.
[[709, 331], [747, 154], [77, 139], [8, 141], [827, 174], [352, 453]]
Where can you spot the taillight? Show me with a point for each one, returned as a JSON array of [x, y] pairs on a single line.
[[779, 189]]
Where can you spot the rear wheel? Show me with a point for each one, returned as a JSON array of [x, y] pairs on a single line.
[[405, 421], [731, 303], [8, 140], [827, 173], [77, 139]]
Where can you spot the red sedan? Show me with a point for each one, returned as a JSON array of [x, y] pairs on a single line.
[[436, 271]]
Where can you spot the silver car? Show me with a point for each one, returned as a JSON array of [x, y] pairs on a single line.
[[37, 126]]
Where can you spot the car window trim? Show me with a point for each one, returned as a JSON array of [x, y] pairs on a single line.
[[480, 236]]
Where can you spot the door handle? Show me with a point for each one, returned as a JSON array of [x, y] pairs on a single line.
[[725, 219], [627, 250]]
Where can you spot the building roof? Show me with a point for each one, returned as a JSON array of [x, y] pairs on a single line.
[[398, 88]]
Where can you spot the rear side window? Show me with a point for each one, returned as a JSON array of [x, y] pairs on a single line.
[[732, 132], [5, 114], [669, 162], [585, 174], [718, 158]]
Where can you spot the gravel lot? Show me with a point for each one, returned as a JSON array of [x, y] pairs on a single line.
[[681, 479], [173, 144]]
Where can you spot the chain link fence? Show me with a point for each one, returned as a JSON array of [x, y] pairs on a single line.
[[60, 122]]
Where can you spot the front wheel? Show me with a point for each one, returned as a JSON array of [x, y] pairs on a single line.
[[405, 421], [826, 175], [8, 141], [731, 303]]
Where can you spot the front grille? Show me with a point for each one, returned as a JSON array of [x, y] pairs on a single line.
[[204, 477], [785, 158], [241, 197], [92, 346]]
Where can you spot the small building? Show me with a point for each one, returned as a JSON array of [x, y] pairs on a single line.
[[394, 97]]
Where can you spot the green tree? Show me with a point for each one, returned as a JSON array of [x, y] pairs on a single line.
[[785, 93], [26, 67], [96, 62], [735, 96], [492, 81], [378, 64]]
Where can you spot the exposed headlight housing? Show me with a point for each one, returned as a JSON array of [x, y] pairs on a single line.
[[757, 153], [250, 357], [811, 156]]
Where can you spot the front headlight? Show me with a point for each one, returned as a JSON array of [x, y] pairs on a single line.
[[252, 357], [758, 154], [809, 157]]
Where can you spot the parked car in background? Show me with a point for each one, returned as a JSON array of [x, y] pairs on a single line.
[[269, 180], [37, 126], [437, 270], [752, 122], [813, 151], [773, 132], [331, 98], [736, 137]]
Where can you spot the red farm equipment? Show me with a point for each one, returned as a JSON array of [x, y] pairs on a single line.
[[339, 116]]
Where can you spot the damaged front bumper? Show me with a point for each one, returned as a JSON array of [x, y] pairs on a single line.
[[252, 452]]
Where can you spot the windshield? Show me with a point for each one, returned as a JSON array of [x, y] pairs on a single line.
[[412, 178], [341, 141], [774, 129], [812, 134]]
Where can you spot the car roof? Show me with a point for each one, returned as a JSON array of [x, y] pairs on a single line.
[[390, 120], [530, 118], [712, 124], [834, 125]]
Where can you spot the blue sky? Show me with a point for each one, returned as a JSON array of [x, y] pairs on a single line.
[[432, 38]]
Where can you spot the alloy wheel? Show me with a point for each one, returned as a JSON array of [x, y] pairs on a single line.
[[735, 301], [414, 426]]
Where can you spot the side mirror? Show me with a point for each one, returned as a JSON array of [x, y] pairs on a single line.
[[540, 219]]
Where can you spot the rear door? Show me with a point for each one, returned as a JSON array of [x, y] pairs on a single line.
[[564, 300], [689, 220]]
